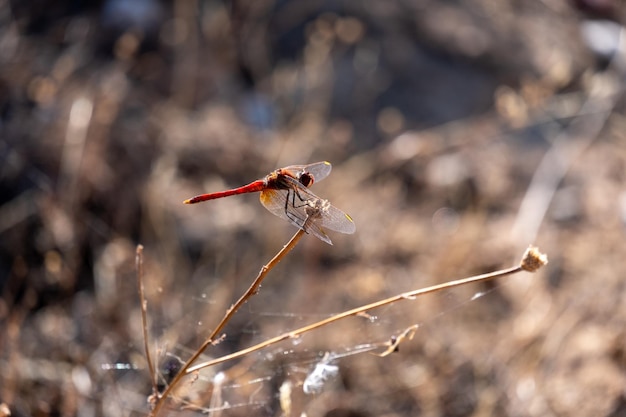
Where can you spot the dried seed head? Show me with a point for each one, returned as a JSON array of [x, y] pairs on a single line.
[[533, 259]]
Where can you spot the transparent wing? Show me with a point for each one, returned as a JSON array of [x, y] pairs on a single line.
[[306, 211], [334, 219], [277, 202], [319, 170], [281, 204]]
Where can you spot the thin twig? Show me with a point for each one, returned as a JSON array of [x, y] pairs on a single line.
[[531, 261], [395, 341], [144, 316], [252, 290]]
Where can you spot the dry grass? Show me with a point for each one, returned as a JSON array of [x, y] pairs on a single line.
[[458, 134]]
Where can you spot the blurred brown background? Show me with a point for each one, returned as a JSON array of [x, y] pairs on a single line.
[[459, 132]]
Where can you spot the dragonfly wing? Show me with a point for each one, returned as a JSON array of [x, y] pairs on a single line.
[[334, 219], [318, 232], [319, 170], [276, 201], [294, 208]]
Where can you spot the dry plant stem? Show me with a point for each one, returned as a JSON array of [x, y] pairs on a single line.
[[532, 260], [229, 313], [144, 315], [404, 296]]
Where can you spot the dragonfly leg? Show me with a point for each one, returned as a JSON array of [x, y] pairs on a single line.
[[291, 199], [304, 202]]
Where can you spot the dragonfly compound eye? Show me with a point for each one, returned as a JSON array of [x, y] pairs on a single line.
[[306, 179]]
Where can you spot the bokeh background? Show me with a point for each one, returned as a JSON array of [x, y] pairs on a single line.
[[459, 132]]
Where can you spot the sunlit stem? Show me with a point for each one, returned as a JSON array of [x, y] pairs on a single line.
[[362, 309], [144, 316]]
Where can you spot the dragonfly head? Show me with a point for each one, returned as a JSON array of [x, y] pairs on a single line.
[[306, 179]]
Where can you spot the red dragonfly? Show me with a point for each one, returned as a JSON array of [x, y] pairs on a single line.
[[285, 193]]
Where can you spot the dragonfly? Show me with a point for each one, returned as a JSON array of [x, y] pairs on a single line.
[[285, 193]]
